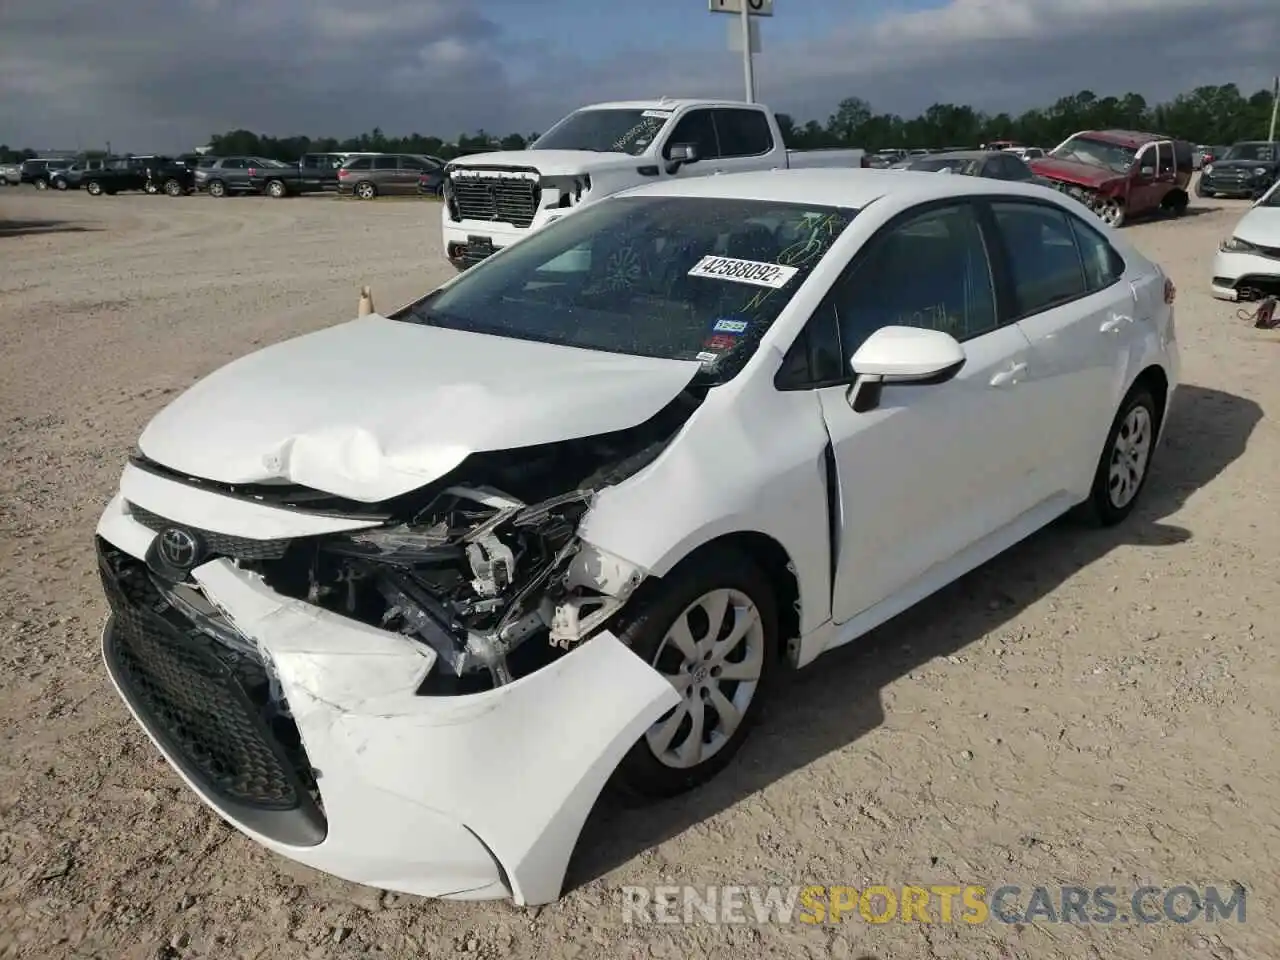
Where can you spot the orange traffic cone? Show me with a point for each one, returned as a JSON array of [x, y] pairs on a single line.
[[366, 303]]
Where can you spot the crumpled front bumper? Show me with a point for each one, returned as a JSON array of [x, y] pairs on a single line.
[[467, 797]]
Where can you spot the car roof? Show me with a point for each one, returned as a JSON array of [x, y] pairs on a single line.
[[964, 154], [830, 187], [1125, 138], [664, 103]]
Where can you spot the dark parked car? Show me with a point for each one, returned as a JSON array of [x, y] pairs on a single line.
[[1247, 169], [385, 174], [431, 181], [993, 164], [225, 176], [314, 173], [39, 172]]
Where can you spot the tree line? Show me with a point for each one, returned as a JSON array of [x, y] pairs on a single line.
[[1208, 114]]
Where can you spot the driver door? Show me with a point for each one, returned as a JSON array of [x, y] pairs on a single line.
[[1145, 189], [933, 468]]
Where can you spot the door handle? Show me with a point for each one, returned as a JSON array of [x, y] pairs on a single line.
[[1009, 377], [1115, 322]]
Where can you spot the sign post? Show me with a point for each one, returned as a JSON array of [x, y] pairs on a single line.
[[745, 9]]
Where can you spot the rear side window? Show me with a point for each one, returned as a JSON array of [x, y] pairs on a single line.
[[386, 163], [361, 163], [1103, 266], [1040, 248], [743, 133]]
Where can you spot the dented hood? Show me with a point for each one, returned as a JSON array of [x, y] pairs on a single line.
[[551, 163], [1070, 171], [375, 408]]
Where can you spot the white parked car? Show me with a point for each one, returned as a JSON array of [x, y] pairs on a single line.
[[1247, 266], [398, 597], [491, 200]]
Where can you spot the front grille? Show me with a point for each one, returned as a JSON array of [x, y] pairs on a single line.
[[217, 544], [500, 199], [210, 708]]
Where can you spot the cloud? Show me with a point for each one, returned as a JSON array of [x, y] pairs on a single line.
[[164, 74]]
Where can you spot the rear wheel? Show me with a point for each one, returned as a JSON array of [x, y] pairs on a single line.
[[172, 188], [150, 187], [1126, 459], [60, 184], [217, 188], [711, 628], [94, 188], [366, 190], [276, 189], [41, 183]]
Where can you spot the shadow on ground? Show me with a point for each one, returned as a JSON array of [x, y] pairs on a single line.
[[821, 711], [20, 228]]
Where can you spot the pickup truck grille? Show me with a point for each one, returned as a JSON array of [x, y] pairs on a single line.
[[499, 199]]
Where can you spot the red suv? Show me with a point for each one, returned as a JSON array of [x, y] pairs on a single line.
[[1121, 173]]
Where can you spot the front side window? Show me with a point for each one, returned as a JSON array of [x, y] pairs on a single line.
[[930, 270], [683, 278], [697, 128], [605, 131], [1041, 251]]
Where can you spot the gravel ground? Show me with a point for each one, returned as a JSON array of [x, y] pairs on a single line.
[[1096, 707]]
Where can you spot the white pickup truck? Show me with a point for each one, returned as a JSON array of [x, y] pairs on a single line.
[[494, 199]]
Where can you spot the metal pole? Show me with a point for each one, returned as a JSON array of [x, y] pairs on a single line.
[[748, 71], [1275, 108]]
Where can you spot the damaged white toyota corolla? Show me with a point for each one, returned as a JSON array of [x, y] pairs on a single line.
[[399, 597]]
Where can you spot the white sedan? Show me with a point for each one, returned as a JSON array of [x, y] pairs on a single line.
[[398, 598], [1247, 266]]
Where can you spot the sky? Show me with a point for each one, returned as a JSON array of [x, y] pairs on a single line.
[[162, 75]]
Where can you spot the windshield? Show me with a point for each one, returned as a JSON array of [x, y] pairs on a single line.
[[605, 131], [1262, 152], [1100, 153], [680, 278], [965, 165]]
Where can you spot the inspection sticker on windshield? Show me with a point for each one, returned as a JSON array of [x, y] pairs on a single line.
[[729, 325], [772, 275]]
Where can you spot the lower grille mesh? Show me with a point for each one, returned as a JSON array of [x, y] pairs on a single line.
[[194, 695]]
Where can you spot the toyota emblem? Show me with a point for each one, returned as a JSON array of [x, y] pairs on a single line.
[[179, 548]]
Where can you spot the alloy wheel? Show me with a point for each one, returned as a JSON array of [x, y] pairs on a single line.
[[713, 654], [1129, 457]]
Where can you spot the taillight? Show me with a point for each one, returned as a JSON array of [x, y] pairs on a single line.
[[1170, 291], [342, 172], [253, 171]]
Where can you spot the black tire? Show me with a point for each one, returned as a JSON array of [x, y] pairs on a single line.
[[150, 187], [1105, 507], [642, 775], [276, 189], [60, 184], [93, 188], [173, 188], [1202, 192], [1177, 203], [217, 189], [366, 190]]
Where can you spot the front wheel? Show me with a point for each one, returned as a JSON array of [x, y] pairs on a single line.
[[1126, 459], [172, 188], [42, 184], [60, 184], [151, 188], [217, 189], [276, 189], [1112, 213], [711, 628], [94, 188]]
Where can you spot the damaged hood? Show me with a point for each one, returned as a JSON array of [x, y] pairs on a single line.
[[551, 163], [374, 408], [1071, 171]]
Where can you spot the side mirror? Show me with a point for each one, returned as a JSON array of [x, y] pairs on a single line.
[[678, 154], [1147, 168], [902, 355]]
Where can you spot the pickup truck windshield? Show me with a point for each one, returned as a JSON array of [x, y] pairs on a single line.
[[1100, 153], [681, 278], [605, 131]]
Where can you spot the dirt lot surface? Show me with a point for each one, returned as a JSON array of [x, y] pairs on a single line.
[[1094, 708]]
